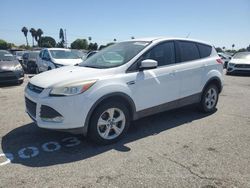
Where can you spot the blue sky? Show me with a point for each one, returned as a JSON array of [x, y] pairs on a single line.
[[220, 22]]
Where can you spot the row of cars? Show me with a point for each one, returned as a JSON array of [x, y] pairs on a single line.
[[14, 66]]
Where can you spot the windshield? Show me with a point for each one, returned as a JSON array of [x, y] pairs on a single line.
[[115, 55], [79, 53], [63, 54], [242, 56], [33, 55], [5, 56]]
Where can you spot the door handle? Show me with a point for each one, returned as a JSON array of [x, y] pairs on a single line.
[[130, 82]]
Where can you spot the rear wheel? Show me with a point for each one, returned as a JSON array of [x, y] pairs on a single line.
[[209, 99], [109, 123]]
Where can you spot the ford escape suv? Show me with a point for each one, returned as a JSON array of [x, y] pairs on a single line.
[[124, 82]]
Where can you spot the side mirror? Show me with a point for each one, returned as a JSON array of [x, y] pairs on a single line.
[[148, 64]]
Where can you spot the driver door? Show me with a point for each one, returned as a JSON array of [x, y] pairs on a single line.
[[156, 87]]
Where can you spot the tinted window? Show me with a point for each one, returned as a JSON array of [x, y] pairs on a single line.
[[205, 50], [46, 54], [41, 54], [164, 54], [188, 51]]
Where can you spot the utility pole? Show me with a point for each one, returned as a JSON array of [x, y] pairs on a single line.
[[65, 38]]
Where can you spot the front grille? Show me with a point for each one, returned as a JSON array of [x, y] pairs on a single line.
[[7, 75], [31, 107], [48, 112], [34, 88], [242, 66]]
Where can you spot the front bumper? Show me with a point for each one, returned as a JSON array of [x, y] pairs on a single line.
[[11, 76], [73, 109], [238, 68]]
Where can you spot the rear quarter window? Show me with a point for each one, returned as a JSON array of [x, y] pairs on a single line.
[[205, 50]]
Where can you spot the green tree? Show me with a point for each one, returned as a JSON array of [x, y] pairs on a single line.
[[39, 33], [61, 36], [79, 44], [114, 40], [233, 45], [242, 50], [3, 45], [218, 49], [47, 42], [25, 32], [132, 37], [223, 48], [89, 38], [248, 48], [33, 34]]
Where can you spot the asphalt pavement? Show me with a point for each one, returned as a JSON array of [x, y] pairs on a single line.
[[180, 148]]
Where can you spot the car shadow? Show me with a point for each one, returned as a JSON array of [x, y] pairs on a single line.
[[30, 135]]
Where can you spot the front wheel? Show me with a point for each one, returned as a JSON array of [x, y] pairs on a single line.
[[109, 123], [209, 99]]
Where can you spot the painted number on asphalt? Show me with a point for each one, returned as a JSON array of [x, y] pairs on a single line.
[[31, 151]]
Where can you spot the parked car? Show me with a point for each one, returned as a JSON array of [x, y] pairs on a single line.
[[240, 63], [10, 69], [225, 58], [90, 54], [80, 53], [101, 96], [51, 58], [29, 61]]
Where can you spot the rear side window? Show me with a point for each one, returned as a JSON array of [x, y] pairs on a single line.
[[188, 51], [205, 50]]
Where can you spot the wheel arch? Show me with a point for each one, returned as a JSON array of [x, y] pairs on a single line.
[[117, 96], [214, 80]]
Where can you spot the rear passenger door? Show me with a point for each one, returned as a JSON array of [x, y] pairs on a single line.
[[190, 68]]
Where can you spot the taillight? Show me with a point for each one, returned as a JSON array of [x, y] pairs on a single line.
[[219, 61]]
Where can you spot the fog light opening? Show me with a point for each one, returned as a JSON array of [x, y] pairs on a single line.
[[58, 119]]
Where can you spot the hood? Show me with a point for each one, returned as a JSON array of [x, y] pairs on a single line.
[[68, 74], [67, 61], [8, 65], [240, 61]]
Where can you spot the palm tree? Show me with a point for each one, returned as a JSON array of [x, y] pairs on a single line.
[[61, 36], [132, 37], [33, 34], [25, 32], [115, 40], [233, 46], [39, 33]]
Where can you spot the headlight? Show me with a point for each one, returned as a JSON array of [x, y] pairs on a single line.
[[72, 89], [18, 67], [231, 64]]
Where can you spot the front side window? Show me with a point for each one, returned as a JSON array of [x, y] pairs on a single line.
[[46, 54], [115, 55], [188, 51], [163, 53]]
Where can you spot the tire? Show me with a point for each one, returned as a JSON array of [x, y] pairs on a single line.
[[109, 131], [209, 99]]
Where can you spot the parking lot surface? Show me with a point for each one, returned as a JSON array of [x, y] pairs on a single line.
[[181, 148]]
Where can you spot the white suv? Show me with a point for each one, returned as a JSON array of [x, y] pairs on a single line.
[[124, 82], [51, 58]]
